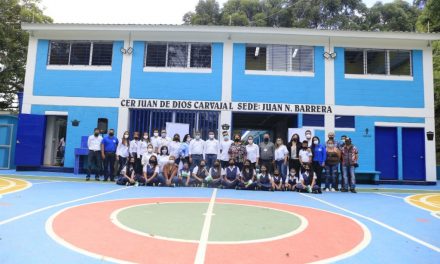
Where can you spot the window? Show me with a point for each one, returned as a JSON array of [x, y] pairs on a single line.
[[178, 55], [80, 53], [281, 58], [311, 120], [378, 62], [344, 121], [354, 62]]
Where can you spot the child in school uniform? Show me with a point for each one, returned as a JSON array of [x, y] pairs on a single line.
[[248, 177], [277, 181], [265, 181], [128, 173], [184, 175], [199, 174], [151, 173], [216, 174], [309, 180], [231, 178], [293, 182]]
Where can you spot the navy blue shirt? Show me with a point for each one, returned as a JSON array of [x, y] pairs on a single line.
[[110, 143]]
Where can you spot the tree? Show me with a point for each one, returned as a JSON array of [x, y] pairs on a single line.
[[396, 16], [13, 46], [207, 13]]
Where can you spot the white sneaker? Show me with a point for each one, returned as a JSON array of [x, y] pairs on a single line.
[[327, 190], [333, 190], [136, 184]]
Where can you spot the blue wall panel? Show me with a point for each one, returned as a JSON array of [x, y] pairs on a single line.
[[277, 89], [4, 139], [386, 93], [81, 83], [88, 117], [176, 85], [365, 143]]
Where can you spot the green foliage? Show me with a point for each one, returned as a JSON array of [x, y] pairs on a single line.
[[396, 16], [13, 45]]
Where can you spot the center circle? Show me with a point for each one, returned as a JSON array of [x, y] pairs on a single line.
[[230, 223]]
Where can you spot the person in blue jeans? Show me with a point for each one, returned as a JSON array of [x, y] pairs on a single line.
[[331, 165], [319, 156], [350, 157]]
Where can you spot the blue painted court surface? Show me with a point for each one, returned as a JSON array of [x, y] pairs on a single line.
[[399, 232]]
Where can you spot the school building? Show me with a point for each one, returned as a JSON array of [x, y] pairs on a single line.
[[375, 87]]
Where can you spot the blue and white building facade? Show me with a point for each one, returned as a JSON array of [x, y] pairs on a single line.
[[375, 87]]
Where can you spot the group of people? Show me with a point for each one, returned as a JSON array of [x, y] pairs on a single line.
[[227, 163]]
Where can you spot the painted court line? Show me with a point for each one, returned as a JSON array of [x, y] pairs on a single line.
[[203, 243], [389, 195], [57, 205], [395, 230]]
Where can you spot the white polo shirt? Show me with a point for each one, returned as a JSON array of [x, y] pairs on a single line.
[[122, 150], [134, 144], [305, 156], [94, 143], [211, 146], [156, 141], [253, 152], [142, 147], [196, 146], [224, 148], [281, 152]]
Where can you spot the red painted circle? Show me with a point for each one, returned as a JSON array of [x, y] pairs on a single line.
[[89, 228]]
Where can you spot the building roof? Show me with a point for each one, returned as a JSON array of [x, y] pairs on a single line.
[[51, 27]]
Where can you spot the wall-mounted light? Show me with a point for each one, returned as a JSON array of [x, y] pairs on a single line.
[[128, 50], [295, 51], [257, 51], [430, 135], [329, 55], [75, 123]]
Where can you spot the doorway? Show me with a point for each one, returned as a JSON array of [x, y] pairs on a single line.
[[55, 141], [386, 152], [257, 124]]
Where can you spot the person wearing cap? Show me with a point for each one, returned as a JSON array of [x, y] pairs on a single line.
[[211, 149], [196, 148], [350, 156], [225, 144]]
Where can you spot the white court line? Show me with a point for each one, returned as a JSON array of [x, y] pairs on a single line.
[[10, 184], [57, 205], [425, 201], [46, 182], [203, 243], [395, 230], [389, 195]]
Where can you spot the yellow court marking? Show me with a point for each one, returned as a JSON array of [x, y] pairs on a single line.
[[11, 185], [427, 201]]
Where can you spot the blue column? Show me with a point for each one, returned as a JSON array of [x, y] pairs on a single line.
[[300, 120], [399, 154]]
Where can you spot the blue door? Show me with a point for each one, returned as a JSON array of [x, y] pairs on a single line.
[[413, 148], [386, 152], [31, 132]]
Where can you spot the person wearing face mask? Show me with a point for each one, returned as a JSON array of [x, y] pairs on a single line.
[[308, 180], [170, 173], [319, 156], [151, 173], [142, 150], [184, 175], [174, 148], [196, 147], [127, 174], [122, 153], [156, 140], [253, 151], [308, 135], [331, 165], [184, 149], [108, 153], [265, 181], [294, 147], [237, 151], [94, 155], [162, 159], [248, 177], [231, 177], [225, 144], [164, 140], [211, 149], [267, 153], [305, 155], [147, 155], [281, 156], [340, 145], [199, 174], [350, 157], [133, 149], [216, 174]]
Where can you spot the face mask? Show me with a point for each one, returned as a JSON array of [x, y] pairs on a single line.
[[152, 162], [145, 137], [96, 134], [247, 165], [308, 136], [125, 136], [295, 139], [226, 137], [266, 140], [171, 161], [149, 150], [211, 136], [331, 137], [176, 139], [316, 142], [231, 164], [216, 164], [331, 145], [250, 141], [197, 136], [164, 135], [164, 151], [279, 142], [236, 139], [136, 138], [202, 165], [304, 147], [188, 140], [156, 134]]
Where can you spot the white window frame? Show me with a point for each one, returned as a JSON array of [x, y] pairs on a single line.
[[69, 67], [387, 75], [187, 69]]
